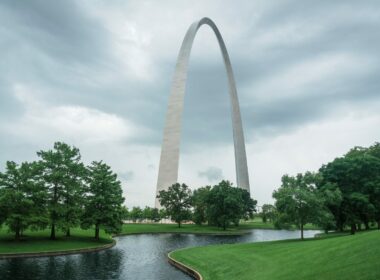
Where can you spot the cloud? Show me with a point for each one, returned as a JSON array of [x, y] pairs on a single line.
[[98, 75], [212, 174]]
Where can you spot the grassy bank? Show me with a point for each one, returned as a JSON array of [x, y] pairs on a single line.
[[344, 257], [38, 241], [136, 228]]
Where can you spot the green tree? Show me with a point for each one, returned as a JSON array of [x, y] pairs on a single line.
[[297, 201], [268, 213], [227, 204], [155, 215], [199, 203], [104, 199], [125, 213], [331, 197], [357, 175], [22, 197], [63, 175], [177, 202], [147, 213], [136, 214], [374, 186]]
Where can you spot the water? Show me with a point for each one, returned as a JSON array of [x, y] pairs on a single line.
[[134, 257]]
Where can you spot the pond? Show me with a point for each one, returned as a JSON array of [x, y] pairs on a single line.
[[134, 257]]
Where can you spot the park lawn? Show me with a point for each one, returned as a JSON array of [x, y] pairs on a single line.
[[173, 228], [344, 257], [135, 228], [38, 241]]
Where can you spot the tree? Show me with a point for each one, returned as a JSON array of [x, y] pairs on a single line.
[[331, 197], [199, 203], [125, 213], [155, 215], [22, 197], [136, 214], [63, 174], [374, 186], [103, 203], [296, 200], [147, 213], [357, 175], [268, 213], [227, 204], [176, 201]]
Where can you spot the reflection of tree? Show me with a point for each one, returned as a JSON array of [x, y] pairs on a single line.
[[98, 265], [101, 265], [15, 269]]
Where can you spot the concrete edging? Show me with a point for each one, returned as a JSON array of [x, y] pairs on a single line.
[[58, 253], [184, 268]]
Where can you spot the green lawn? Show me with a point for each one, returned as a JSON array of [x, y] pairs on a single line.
[[191, 228], [344, 257], [38, 241]]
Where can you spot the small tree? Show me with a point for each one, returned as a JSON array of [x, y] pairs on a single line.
[[22, 197], [268, 213], [155, 215], [296, 200], [147, 213], [63, 175], [103, 204], [177, 202], [227, 204], [136, 214], [199, 203]]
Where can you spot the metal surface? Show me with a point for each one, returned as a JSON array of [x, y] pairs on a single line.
[[169, 160]]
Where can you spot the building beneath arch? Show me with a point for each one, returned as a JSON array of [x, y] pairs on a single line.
[[169, 160]]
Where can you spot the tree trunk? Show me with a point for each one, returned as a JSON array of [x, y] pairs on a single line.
[[341, 228], [366, 224], [53, 214], [97, 231], [179, 224], [68, 234], [359, 227], [301, 231], [378, 224], [224, 225], [17, 234], [353, 228], [52, 233], [326, 231]]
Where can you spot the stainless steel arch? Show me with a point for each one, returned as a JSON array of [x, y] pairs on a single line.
[[168, 169]]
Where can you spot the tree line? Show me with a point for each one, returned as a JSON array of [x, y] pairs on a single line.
[[220, 205], [59, 192], [344, 193]]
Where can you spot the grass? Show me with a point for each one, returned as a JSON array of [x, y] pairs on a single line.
[[196, 229], [344, 257], [38, 241]]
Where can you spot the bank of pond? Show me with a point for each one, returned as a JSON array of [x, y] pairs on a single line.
[[144, 256]]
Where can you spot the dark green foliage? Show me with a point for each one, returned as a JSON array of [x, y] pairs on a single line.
[[177, 202], [297, 200], [136, 214], [268, 213], [22, 197], [63, 174], [199, 203], [227, 205], [103, 201], [357, 176]]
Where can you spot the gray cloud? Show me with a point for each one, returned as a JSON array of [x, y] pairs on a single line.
[[212, 174], [109, 65]]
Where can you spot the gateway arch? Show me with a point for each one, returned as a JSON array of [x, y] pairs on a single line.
[[168, 168]]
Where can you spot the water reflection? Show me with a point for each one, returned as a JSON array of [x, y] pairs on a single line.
[[134, 257]]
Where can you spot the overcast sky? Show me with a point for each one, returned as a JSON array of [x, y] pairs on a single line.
[[97, 75]]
